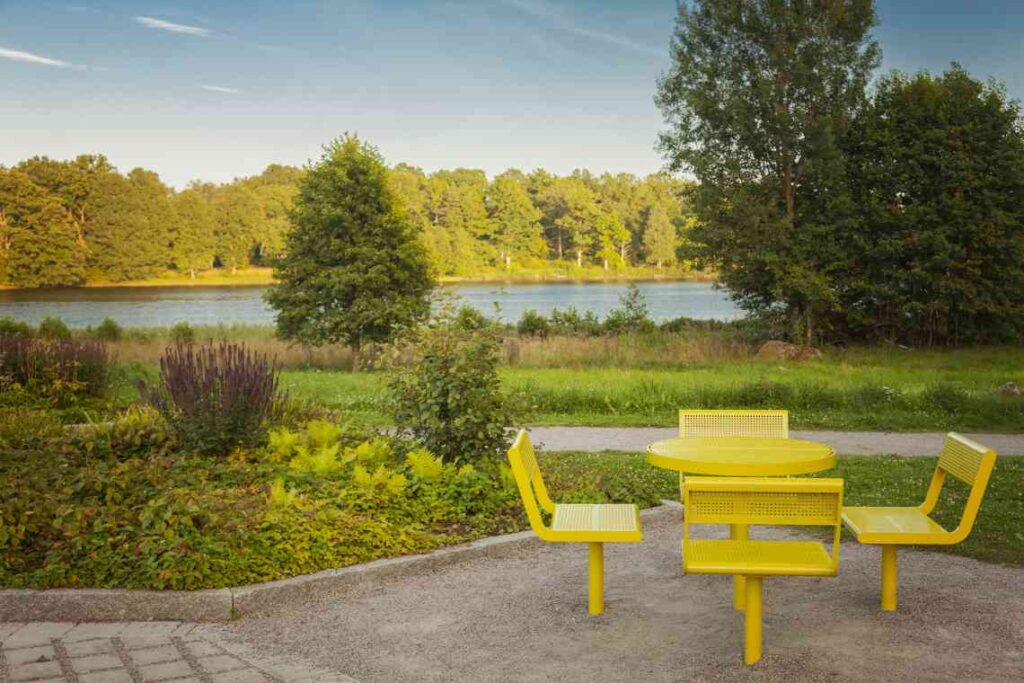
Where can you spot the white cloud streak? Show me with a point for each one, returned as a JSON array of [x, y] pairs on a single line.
[[32, 58], [222, 89], [554, 17], [150, 22]]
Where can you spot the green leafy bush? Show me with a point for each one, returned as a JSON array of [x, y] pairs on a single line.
[[533, 324], [447, 394], [109, 330], [9, 327], [216, 398], [54, 328], [181, 333], [468, 318], [632, 314]]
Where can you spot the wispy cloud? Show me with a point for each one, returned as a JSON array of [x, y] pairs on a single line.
[[32, 58], [221, 88], [150, 22], [553, 16]]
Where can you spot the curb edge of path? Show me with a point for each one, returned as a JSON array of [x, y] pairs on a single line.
[[225, 604]]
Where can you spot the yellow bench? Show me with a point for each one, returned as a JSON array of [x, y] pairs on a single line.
[[572, 523], [763, 501], [891, 527], [731, 422]]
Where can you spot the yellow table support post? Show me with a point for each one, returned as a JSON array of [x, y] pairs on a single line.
[[596, 578], [890, 577], [739, 532], [752, 620]]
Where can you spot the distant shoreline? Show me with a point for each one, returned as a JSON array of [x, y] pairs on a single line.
[[262, 277]]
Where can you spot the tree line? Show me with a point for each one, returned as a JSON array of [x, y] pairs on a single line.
[[838, 212], [65, 223]]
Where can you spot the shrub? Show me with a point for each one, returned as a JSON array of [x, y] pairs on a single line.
[[216, 398], [9, 327], [59, 370], [108, 330], [182, 333], [631, 316], [468, 318], [533, 324], [447, 394], [139, 432], [54, 328], [571, 323]]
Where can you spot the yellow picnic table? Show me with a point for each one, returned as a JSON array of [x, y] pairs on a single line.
[[741, 456]]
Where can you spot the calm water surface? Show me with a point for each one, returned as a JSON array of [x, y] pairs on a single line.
[[162, 306]]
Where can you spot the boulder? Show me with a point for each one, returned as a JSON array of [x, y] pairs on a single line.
[[780, 350], [1009, 390]]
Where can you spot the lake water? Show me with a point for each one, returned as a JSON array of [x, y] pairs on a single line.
[[163, 306]]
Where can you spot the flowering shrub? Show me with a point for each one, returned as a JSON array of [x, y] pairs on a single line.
[[216, 398]]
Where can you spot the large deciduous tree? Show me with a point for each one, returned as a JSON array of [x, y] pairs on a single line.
[[759, 95], [517, 232], [355, 269], [937, 171]]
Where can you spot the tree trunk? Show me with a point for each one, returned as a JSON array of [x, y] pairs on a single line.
[[579, 258], [605, 264], [508, 262], [192, 272], [559, 245], [356, 360]]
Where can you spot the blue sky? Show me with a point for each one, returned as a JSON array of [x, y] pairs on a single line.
[[215, 90]]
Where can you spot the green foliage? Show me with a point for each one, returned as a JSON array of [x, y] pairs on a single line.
[[108, 330], [937, 256], [469, 318], [9, 327], [53, 328], [354, 271], [758, 100], [631, 316], [533, 324], [181, 333], [447, 394]]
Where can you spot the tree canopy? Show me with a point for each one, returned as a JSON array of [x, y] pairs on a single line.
[[355, 270]]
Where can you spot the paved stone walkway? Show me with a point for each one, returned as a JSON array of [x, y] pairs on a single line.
[[139, 652], [847, 443]]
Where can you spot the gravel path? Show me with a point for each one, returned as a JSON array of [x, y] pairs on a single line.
[[521, 615], [848, 443]]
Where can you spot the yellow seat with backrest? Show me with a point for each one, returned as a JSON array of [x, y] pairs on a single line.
[[891, 527], [594, 524], [762, 501], [732, 422]]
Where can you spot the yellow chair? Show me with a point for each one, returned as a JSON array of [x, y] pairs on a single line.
[[572, 523], [891, 527], [765, 423], [769, 501]]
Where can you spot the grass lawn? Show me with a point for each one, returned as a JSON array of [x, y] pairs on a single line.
[[878, 389], [998, 535]]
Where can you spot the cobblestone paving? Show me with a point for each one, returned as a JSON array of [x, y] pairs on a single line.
[[139, 652]]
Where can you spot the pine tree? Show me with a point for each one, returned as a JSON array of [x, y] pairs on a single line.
[[659, 237], [517, 232], [355, 269]]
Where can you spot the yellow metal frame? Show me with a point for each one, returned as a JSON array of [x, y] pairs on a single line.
[[572, 523], [891, 527], [760, 501], [733, 422]]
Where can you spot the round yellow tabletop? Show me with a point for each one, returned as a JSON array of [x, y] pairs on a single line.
[[741, 456]]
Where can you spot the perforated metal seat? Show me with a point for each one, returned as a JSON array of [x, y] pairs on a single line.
[[891, 527], [593, 524], [772, 502], [603, 522], [764, 558]]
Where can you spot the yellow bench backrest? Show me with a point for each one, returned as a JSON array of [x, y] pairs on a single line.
[[764, 501], [526, 472], [971, 463], [767, 423]]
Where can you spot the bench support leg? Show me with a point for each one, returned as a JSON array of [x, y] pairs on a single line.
[[596, 578], [738, 532], [752, 621], [889, 577]]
